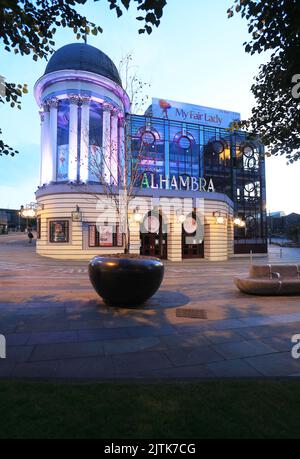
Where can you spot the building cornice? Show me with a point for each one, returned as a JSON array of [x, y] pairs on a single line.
[[65, 76], [94, 188]]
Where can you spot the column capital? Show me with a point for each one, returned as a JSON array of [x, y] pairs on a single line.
[[52, 103], [85, 100], [114, 112], [74, 99], [45, 107], [107, 107], [42, 115]]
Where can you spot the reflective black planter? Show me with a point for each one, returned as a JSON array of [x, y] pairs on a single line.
[[125, 280]]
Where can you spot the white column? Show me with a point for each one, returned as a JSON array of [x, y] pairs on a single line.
[[106, 143], [114, 157], [53, 104], [84, 139], [73, 138], [46, 152], [122, 159]]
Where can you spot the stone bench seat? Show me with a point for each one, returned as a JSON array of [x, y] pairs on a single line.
[[270, 280]]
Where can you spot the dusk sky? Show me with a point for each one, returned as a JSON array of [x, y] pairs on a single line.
[[195, 56]]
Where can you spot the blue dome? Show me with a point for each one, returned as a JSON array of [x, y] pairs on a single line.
[[80, 56]]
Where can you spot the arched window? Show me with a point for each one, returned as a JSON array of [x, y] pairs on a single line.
[[184, 160], [148, 150]]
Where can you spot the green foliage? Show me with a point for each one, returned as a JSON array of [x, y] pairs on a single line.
[[28, 28], [275, 27]]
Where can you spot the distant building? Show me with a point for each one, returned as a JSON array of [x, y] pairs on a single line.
[[11, 220], [280, 224]]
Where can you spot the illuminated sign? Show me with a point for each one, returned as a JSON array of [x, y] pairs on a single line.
[[183, 183], [190, 113]]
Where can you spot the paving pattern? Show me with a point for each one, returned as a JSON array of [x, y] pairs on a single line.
[[57, 327]]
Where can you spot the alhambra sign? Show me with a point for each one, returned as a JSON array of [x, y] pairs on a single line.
[[186, 183]]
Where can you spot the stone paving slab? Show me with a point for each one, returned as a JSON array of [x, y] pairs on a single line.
[[279, 364], [60, 351], [125, 346], [193, 356], [241, 349], [102, 334], [19, 353], [135, 363], [185, 340], [279, 344], [219, 337], [52, 337]]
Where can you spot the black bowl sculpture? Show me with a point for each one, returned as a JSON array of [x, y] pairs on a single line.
[[125, 280]]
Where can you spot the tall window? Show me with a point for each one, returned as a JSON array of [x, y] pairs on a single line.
[[95, 141], [184, 159], [63, 116], [148, 147]]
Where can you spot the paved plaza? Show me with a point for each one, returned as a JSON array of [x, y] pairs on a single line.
[[57, 327]]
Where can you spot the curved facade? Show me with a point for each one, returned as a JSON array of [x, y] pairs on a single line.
[[183, 209]]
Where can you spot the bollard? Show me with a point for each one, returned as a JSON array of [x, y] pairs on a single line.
[[251, 257]]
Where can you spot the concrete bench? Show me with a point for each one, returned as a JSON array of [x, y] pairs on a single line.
[[271, 280]]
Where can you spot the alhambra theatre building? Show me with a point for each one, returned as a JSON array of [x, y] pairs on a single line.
[[189, 156]]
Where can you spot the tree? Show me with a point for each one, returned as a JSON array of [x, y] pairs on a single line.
[[132, 84], [275, 27], [28, 28]]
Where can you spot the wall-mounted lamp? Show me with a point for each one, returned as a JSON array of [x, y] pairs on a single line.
[[239, 222], [220, 220], [77, 215], [138, 217]]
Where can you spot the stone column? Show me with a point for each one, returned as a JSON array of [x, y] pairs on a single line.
[[53, 104], [134, 228], [106, 143], [84, 142], [114, 157], [230, 236], [46, 152], [215, 239], [73, 138], [174, 239]]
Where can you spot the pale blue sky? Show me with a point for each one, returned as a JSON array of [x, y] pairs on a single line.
[[195, 56]]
